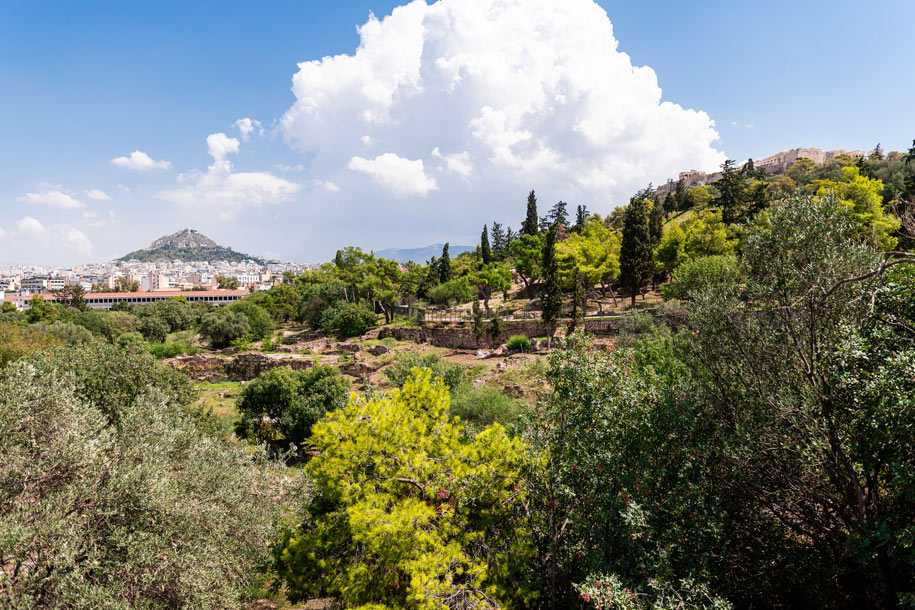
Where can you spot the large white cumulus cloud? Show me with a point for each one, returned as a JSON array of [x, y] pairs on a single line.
[[488, 99]]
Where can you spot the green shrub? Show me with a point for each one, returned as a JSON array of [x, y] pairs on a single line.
[[132, 341], [259, 319], [223, 326], [348, 320], [451, 373], [283, 403], [709, 272], [108, 324], [634, 326], [483, 406], [147, 513], [457, 291], [166, 350], [519, 343], [15, 342], [160, 318], [68, 332]]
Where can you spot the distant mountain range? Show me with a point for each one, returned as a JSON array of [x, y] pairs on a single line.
[[188, 245], [420, 255]]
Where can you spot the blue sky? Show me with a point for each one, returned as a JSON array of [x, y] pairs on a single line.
[[82, 83]]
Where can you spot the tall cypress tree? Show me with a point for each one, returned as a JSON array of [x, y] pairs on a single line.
[[444, 266], [485, 250], [551, 297], [531, 223], [499, 247], [681, 196], [636, 262], [581, 217]]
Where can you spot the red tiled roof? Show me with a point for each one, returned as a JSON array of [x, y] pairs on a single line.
[[158, 293]]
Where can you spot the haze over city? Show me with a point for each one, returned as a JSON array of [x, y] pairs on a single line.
[[292, 129]]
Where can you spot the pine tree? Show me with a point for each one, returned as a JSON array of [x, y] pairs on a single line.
[[485, 250], [444, 266], [636, 262], [558, 215], [510, 236], [530, 226], [731, 193], [551, 297]]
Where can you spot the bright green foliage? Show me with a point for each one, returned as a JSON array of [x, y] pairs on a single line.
[[491, 278], [409, 514], [591, 255], [479, 407], [147, 513], [16, 341], [671, 251], [169, 349], [227, 283], [223, 326], [518, 343], [527, 252], [259, 321], [704, 235], [457, 291], [863, 197], [636, 262], [715, 272], [698, 197], [283, 403], [44, 311], [707, 235], [450, 373]]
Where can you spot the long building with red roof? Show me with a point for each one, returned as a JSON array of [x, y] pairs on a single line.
[[104, 300]]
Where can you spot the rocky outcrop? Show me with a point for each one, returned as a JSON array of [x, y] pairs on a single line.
[[242, 367]]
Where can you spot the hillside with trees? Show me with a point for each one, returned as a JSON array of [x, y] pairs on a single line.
[[736, 432]]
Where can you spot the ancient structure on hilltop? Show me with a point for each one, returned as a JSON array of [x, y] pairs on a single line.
[[776, 163]]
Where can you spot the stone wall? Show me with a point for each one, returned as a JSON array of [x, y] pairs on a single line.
[[243, 367], [460, 335]]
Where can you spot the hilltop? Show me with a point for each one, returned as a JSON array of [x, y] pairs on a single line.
[[187, 245], [420, 255]]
